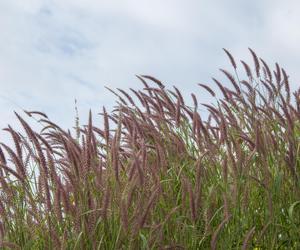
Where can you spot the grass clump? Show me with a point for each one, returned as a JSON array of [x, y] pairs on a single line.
[[158, 175]]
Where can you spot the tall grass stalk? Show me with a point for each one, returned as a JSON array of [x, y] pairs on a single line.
[[158, 175]]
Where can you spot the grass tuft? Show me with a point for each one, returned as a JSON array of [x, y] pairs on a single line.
[[158, 175]]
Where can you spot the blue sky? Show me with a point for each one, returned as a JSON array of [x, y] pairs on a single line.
[[54, 51]]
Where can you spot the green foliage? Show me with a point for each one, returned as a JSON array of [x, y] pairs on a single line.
[[159, 176]]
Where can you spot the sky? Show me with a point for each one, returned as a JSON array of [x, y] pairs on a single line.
[[55, 51]]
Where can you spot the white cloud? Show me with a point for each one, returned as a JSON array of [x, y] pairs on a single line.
[[53, 51]]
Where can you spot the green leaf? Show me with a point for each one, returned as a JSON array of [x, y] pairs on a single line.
[[291, 209], [144, 241]]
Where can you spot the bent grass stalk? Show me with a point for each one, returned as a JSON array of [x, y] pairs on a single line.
[[158, 175]]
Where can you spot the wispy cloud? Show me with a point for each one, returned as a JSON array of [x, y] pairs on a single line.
[[54, 51]]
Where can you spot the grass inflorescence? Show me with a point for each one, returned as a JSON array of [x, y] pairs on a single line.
[[157, 175]]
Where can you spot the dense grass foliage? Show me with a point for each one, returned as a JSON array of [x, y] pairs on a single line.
[[158, 175]]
